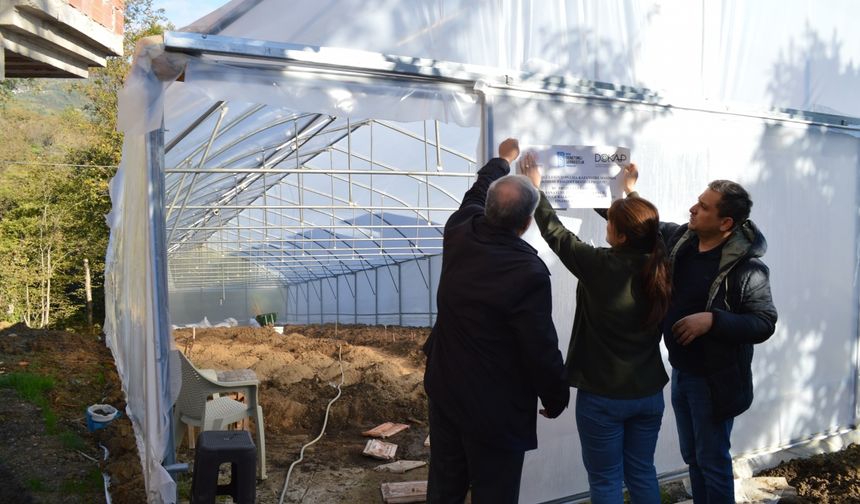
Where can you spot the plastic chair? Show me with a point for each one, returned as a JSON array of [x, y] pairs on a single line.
[[202, 403]]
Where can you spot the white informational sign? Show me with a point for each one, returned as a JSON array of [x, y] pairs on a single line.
[[581, 176]]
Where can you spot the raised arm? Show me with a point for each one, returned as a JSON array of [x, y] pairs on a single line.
[[579, 257], [494, 169], [631, 176]]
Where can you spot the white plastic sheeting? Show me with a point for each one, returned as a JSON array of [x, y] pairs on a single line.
[[133, 315], [399, 294], [803, 182], [189, 305], [763, 54], [770, 53]]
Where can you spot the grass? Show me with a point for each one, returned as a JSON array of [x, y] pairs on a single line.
[[87, 485], [100, 379], [183, 483], [72, 441], [33, 388], [35, 485]]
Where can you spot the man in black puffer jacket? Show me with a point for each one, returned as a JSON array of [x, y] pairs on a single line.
[[721, 306]]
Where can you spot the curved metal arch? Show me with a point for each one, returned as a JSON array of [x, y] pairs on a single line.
[[414, 177], [332, 215], [243, 136], [322, 247], [276, 147], [227, 127], [328, 250], [268, 258], [236, 189], [320, 263], [250, 178]]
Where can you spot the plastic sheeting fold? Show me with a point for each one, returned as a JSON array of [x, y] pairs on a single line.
[[131, 322]]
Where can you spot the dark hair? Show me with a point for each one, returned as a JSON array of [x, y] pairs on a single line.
[[638, 220], [511, 200], [734, 202]]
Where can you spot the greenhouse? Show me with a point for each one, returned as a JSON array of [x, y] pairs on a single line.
[[304, 163]]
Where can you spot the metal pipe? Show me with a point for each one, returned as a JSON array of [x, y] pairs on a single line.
[[194, 178], [191, 127], [316, 207], [160, 299], [321, 226]]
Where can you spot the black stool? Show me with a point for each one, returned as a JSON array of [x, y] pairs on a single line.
[[221, 447]]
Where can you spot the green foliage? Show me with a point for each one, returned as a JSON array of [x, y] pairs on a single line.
[[51, 220], [36, 485], [86, 486], [30, 387], [183, 485], [55, 167], [142, 19], [72, 441], [7, 87], [33, 388]]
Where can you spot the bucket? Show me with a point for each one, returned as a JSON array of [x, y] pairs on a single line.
[[266, 319], [100, 415]]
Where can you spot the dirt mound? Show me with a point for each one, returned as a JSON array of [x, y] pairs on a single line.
[[830, 478], [299, 370]]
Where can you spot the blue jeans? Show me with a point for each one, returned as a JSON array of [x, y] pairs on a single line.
[[705, 441], [618, 439]]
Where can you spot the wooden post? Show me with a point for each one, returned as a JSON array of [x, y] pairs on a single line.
[[89, 290]]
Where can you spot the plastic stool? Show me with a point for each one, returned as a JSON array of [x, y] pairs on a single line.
[[221, 447]]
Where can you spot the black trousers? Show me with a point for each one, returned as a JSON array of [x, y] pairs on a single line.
[[458, 464]]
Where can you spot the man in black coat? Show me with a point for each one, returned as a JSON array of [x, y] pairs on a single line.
[[721, 305], [493, 351]]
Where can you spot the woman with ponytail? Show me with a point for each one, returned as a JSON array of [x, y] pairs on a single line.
[[614, 355]]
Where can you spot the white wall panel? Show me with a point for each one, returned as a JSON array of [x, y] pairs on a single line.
[[191, 305], [803, 181]]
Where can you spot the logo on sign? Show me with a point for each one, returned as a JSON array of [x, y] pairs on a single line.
[[610, 158], [568, 159]]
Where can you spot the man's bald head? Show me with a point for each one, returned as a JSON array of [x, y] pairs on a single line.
[[511, 202]]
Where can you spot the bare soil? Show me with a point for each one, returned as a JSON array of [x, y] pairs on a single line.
[[830, 478], [63, 463], [382, 368]]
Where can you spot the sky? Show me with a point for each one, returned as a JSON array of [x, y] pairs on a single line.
[[183, 12]]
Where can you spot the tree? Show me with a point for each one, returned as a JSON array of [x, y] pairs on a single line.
[[7, 87], [98, 160], [103, 86], [52, 216]]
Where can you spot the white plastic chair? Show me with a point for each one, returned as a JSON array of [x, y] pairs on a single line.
[[202, 403]]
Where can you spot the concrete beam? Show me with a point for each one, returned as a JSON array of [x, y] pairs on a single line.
[[49, 36], [56, 11], [2, 59], [24, 46]]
